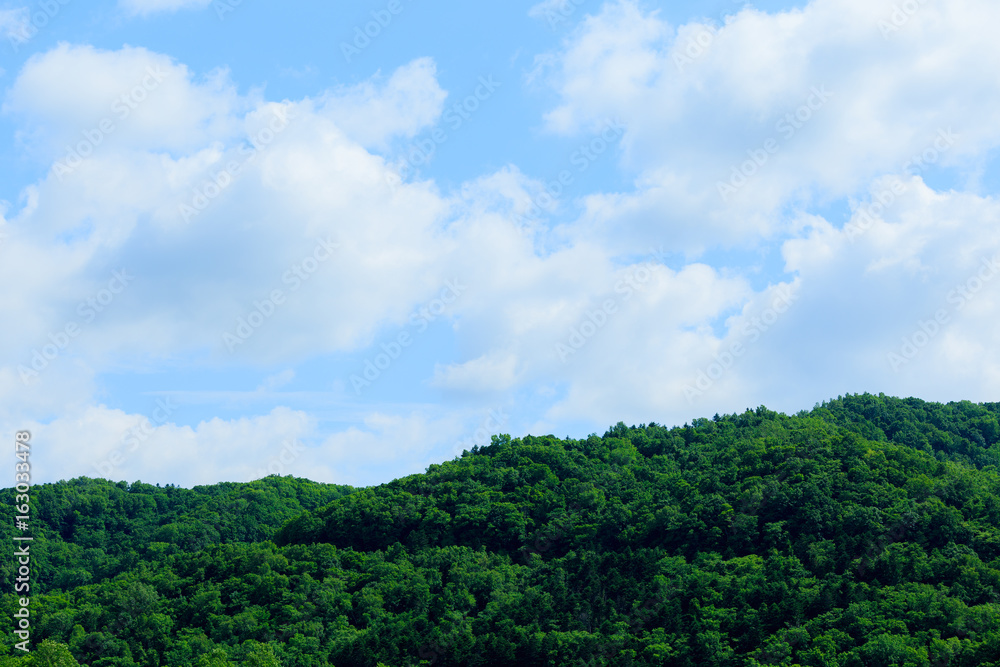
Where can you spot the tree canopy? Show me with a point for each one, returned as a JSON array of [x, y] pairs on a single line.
[[865, 532]]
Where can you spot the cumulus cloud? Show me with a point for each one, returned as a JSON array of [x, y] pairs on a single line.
[[78, 99], [102, 442], [900, 302], [765, 95], [294, 242], [493, 372], [241, 191], [734, 132], [299, 241], [97, 441], [406, 103]]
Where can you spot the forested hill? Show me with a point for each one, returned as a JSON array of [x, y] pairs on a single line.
[[865, 532], [89, 530]]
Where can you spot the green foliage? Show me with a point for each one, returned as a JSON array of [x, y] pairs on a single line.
[[92, 530], [865, 532], [48, 653], [53, 654]]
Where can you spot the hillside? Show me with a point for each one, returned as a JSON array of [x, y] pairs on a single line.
[[89, 530], [863, 532]]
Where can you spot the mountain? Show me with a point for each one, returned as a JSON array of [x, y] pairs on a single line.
[[865, 532]]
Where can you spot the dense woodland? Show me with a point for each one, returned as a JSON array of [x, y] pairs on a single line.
[[865, 532]]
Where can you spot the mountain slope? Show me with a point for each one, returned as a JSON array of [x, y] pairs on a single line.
[[865, 532], [88, 530]]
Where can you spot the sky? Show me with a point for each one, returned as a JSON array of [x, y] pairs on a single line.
[[346, 241]]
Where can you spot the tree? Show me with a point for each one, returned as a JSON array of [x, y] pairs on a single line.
[[215, 658], [53, 654], [260, 655]]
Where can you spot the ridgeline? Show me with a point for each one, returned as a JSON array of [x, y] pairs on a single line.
[[862, 533]]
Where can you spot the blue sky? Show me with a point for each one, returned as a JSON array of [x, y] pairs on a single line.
[[239, 238]]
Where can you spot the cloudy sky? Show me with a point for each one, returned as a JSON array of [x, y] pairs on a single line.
[[347, 240]]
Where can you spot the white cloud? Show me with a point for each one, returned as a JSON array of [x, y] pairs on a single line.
[[493, 372], [387, 447], [700, 100], [132, 99], [307, 181], [534, 317], [555, 11], [408, 102], [100, 442], [546, 6], [864, 297], [695, 99], [277, 380], [120, 210]]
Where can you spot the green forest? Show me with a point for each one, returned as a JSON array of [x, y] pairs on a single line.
[[862, 533]]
